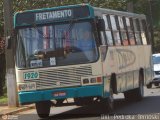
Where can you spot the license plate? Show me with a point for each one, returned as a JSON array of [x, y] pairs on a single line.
[[59, 94], [27, 86]]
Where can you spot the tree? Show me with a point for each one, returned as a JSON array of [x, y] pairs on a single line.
[[2, 66]]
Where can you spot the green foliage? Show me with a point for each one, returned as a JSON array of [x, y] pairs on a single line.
[[20, 5], [3, 99], [2, 73], [155, 6]]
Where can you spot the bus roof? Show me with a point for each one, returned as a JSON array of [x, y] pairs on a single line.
[[52, 8], [56, 14], [101, 11], [65, 13]]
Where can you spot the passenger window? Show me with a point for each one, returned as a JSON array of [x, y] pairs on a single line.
[[115, 30], [108, 32], [109, 37], [137, 31], [113, 22], [122, 31], [106, 22], [130, 31]]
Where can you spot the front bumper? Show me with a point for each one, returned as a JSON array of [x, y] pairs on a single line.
[[42, 95]]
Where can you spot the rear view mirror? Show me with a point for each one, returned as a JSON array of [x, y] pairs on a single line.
[[101, 25]]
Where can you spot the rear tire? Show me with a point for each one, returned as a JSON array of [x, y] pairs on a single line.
[[136, 94], [139, 92], [43, 108], [108, 103]]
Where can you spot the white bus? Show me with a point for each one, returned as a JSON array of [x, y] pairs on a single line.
[[80, 52]]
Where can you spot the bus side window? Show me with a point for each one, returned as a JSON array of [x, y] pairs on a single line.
[[108, 31], [130, 31], [122, 31], [143, 35], [137, 31], [115, 30]]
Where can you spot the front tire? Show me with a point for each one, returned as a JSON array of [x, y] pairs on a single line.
[[139, 92], [43, 108], [109, 102]]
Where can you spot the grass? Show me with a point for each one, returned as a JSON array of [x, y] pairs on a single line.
[[3, 99]]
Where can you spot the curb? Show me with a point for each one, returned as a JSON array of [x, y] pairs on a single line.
[[17, 110]]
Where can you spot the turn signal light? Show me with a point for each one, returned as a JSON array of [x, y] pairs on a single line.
[[99, 79]]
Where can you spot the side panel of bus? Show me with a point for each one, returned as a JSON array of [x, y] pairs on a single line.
[[126, 63], [128, 57]]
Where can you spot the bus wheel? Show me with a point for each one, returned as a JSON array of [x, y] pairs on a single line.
[[139, 92], [135, 94], [109, 102], [43, 108]]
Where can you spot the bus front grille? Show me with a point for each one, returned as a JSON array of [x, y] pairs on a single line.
[[65, 77]]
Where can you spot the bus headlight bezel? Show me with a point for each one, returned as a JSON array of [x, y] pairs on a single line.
[[93, 80]]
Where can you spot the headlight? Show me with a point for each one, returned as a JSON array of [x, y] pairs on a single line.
[[86, 81]]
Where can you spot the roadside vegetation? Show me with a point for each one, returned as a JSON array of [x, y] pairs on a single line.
[[3, 98]]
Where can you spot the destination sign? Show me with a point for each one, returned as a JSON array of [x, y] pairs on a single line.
[[50, 15], [53, 15]]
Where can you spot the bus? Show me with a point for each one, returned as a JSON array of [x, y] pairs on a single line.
[[55, 63]]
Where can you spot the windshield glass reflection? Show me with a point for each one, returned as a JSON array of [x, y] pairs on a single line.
[[54, 45]]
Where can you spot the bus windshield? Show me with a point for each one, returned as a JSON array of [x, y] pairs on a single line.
[[56, 44]]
